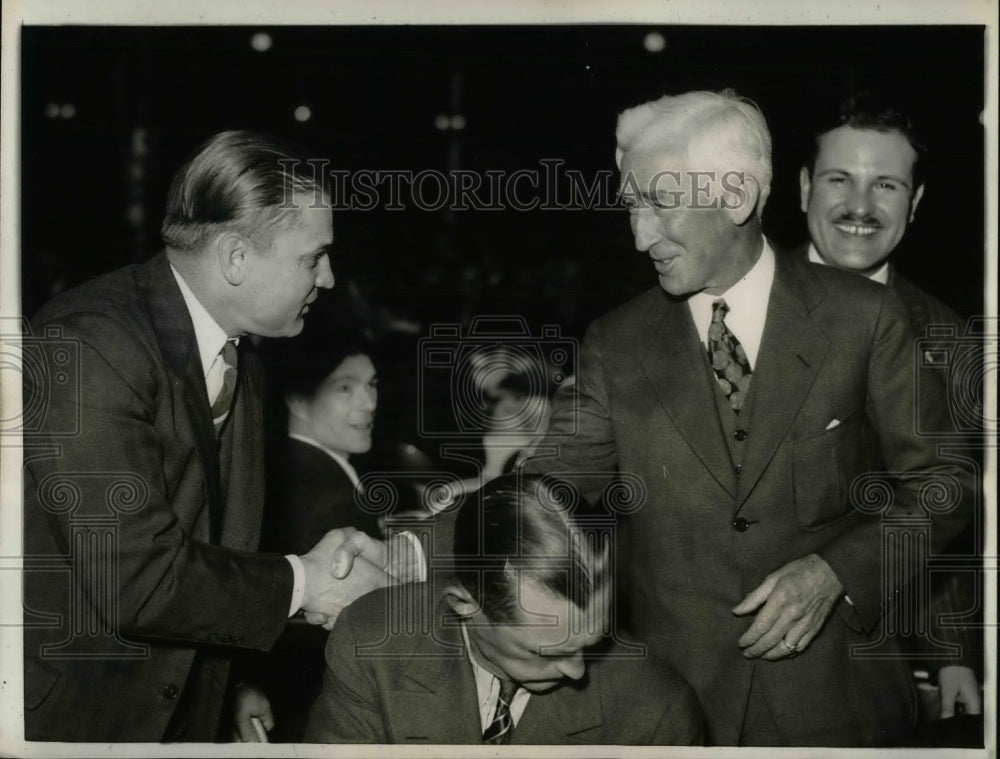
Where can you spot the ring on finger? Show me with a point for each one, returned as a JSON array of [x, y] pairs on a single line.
[[788, 645]]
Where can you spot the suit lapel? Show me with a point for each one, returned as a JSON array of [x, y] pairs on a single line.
[[792, 352], [675, 365], [175, 335], [436, 700]]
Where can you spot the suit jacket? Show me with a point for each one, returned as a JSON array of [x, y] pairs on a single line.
[[144, 522], [831, 396], [312, 495], [952, 595], [398, 672]]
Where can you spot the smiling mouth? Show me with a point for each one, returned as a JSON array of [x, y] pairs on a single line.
[[857, 230], [663, 264]]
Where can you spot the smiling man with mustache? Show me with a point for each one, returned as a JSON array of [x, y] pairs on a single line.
[[860, 192]]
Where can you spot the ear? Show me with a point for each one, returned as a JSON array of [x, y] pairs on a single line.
[[749, 192], [460, 601], [915, 202], [232, 250], [297, 405], [805, 188]]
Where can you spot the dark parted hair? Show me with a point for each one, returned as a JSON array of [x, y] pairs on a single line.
[[872, 111], [300, 364], [238, 180], [527, 525]]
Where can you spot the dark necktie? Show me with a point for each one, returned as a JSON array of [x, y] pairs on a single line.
[[728, 359], [502, 725], [224, 398]]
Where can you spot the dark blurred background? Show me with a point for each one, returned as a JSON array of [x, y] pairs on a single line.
[[108, 113]]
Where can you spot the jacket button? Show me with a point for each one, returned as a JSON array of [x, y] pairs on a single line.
[[170, 692], [227, 639], [740, 435], [740, 524]]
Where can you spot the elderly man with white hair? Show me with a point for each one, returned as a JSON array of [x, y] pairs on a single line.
[[754, 411]]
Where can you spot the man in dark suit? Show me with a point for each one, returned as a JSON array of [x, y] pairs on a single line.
[[143, 485], [505, 653], [860, 189], [754, 412]]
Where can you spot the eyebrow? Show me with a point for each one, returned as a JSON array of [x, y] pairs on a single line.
[[893, 177]]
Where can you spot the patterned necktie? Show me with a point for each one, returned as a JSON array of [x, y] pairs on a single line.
[[502, 726], [224, 397], [729, 360]]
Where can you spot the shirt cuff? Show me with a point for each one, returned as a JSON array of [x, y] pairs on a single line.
[[298, 583], [418, 556]]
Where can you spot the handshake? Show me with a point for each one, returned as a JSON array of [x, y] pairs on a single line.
[[346, 564]]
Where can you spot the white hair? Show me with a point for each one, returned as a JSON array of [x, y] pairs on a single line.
[[718, 131]]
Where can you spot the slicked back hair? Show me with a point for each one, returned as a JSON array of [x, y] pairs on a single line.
[[870, 111], [525, 526], [240, 181]]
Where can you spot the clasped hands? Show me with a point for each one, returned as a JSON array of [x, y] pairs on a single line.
[[793, 604], [346, 564]]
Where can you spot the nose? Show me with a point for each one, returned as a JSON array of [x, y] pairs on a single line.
[[860, 201], [368, 398], [324, 277], [572, 666], [643, 229]]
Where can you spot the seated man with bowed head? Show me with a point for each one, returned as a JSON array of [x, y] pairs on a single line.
[[511, 650]]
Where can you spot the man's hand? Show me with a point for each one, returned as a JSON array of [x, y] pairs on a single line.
[[797, 599], [250, 702], [337, 573], [959, 686]]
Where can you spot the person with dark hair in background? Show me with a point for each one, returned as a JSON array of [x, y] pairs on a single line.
[[516, 649], [330, 392], [860, 190], [161, 442], [750, 406]]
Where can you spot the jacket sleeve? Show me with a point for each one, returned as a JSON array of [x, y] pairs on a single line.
[[155, 580], [579, 444]]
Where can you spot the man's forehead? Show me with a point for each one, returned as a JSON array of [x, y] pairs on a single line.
[[866, 147]]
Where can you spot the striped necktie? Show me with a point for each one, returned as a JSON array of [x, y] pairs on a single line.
[[728, 359], [224, 397], [502, 726]]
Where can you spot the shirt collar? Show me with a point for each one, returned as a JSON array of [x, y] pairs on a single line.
[[747, 300], [207, 332], [880, 275], [344, 463]]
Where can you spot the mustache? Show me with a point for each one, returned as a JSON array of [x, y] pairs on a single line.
[[852, 218]]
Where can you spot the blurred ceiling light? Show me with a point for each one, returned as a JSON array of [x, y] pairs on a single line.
[[441, 122], [654, 42], [303, 113], [458, 122], [68, 111], [52, 111], [261, 42]]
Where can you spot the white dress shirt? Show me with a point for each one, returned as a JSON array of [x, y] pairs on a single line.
[[488, 690], [211, 338], [747, 301], [880, 275]]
